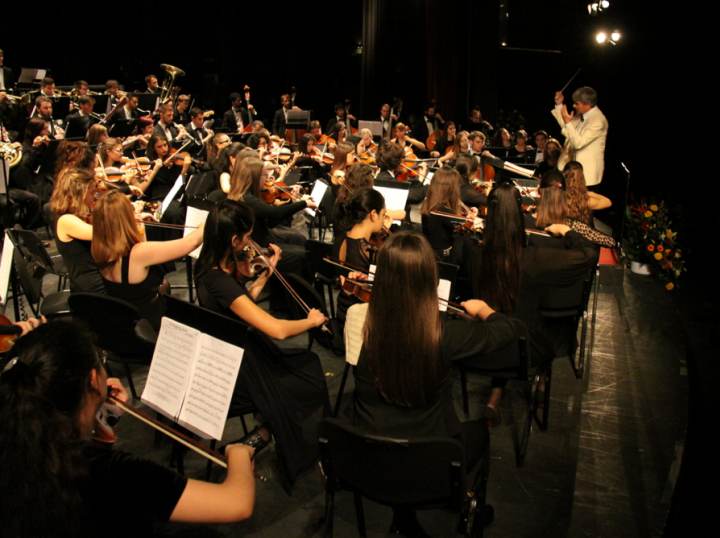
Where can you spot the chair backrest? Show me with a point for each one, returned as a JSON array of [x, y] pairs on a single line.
[[32, 244], [28, 277], [112, 320], [516, 352], [393, 471], [316, 252]]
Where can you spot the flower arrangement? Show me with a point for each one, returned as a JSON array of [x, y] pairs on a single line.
[[649, 239]]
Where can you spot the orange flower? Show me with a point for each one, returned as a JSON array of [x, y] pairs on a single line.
[[669, 286], [651, 247], [660, 248], [654, 207], [648, 213], [657, 256], [669, 234]]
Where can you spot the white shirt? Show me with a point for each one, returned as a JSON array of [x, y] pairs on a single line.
[[2, 78], [239, 121]]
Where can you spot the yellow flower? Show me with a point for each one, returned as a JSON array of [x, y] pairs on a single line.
[[654, 207], [669, 286], [648, 213], [669, 234], [657, 256]]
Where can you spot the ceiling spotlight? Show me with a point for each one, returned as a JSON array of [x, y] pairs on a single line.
[[615, 36], [593, 9], [605, 4], [601, 37]]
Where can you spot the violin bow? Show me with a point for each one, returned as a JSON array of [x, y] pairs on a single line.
[[170, 157], [286, 284]]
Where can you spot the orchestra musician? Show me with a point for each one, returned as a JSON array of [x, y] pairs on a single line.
[[196, 130], [81, 87], [49, 398], [521, 150], [237, 117], [129, 110], [224, 164], [340, 117], [152, 84], [217, 143], [181, 116], [111, 152], [404, 141], [165, 126], [446, 141], [342, 159], [476, 118], [7, 79], [280, 119], [338, 133], [286, 386], [541, 138], [385, 117], [97, 134], [551, 156], [43, 110], [257, 126], [428, 124], [112, 88], [82, 119], [467, 166]]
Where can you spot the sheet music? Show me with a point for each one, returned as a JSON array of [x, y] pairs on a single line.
[[443, 291], [171, 366], [194, 217], [428, 178], [394, 198], [171, 195], [5, 267], [212, 382], [317, 194]]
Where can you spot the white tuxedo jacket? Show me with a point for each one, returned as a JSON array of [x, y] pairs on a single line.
[[587, 146]]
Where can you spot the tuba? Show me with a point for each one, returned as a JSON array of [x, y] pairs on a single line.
[[168, 84]]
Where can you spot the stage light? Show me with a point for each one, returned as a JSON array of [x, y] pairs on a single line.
[[601, 37], [593, 9], [605, 4], [615, 36]]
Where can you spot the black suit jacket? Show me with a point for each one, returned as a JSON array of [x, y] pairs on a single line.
[[229, 119], [279, 123], [122, 114], [198, 135], [9, 78], [332, 121], [420, 131], [159, 129]]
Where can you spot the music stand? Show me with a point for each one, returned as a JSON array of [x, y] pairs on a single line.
[[297, 119], [78, 126], [376, 127], [102, 104], [48, 163], [228, 330], [122, 128], [148, 101], [60, 106], [30, 78]]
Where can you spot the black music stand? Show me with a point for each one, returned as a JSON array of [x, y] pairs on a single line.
[[297, 119], [78, 126], [206, 321], [102, 104], [148, 102], [122, 128], [47, 166], [60, 106]]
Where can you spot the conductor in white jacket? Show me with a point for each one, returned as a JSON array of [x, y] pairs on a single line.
[[585, 133]]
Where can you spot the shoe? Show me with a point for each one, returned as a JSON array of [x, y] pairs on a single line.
[[540, 399], [489, 514], [491, 417]]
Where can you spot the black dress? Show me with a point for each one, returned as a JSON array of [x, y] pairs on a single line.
[[287, 386], [440, 233], [149, 491], [359, 253], [82, 269], [461, 340], [144, 295]]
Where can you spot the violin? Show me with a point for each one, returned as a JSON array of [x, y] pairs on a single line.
[[361, 290], [274, 190], [258, 262], [8, 334]]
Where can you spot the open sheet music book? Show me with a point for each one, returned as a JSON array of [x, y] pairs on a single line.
[[192, 378]]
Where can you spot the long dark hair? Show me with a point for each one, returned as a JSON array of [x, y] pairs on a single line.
[[225, 221], [402, 351], [222, 162], [357, 209], [33, 129], [152, 141], [466, 165], [504, 238], [576, 191], [444, 191], [41, 458]]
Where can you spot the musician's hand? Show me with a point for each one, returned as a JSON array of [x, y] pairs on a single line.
[[351, 117], [158, 164], [559, 98], [277, 255], [251, 108], [116, 389], [296, 108], [240, 449], [486, 153], [387, 221], [567, 118], [557, 229], [38, 140], [473, 212], [316, 318], [309, 201], [356, 275], [296, 190], [186, 163], [393, 116], [477, 308], [435, 154], [210, 132], [30, 324]]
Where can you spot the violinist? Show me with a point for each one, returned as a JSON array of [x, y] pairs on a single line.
[[260, 141], [581, 201], [367, 139], [71, 203], [447, 141], [337, 133], [97, 135], [551, 156], [49, 398], [460, 146], [224, 163], [443, 196], [359, 176], [164, 180], [132, 181], [521, 151], [358, 219], [129, 265], [405, 141], [315, 130], [217, 142], [467, 166], [286, 386], [166, 127], [502, 139], [404, 374], [342, 159]]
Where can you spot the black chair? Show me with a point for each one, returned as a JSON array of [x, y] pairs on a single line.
[[515, 351], [564, 308], [324, 273], [53, 265], [417, 474], [119, 329]]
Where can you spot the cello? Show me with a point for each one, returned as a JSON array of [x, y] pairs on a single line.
[[248, 128], [437, 134]]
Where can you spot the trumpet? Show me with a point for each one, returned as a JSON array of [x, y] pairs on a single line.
[[60, 92]]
